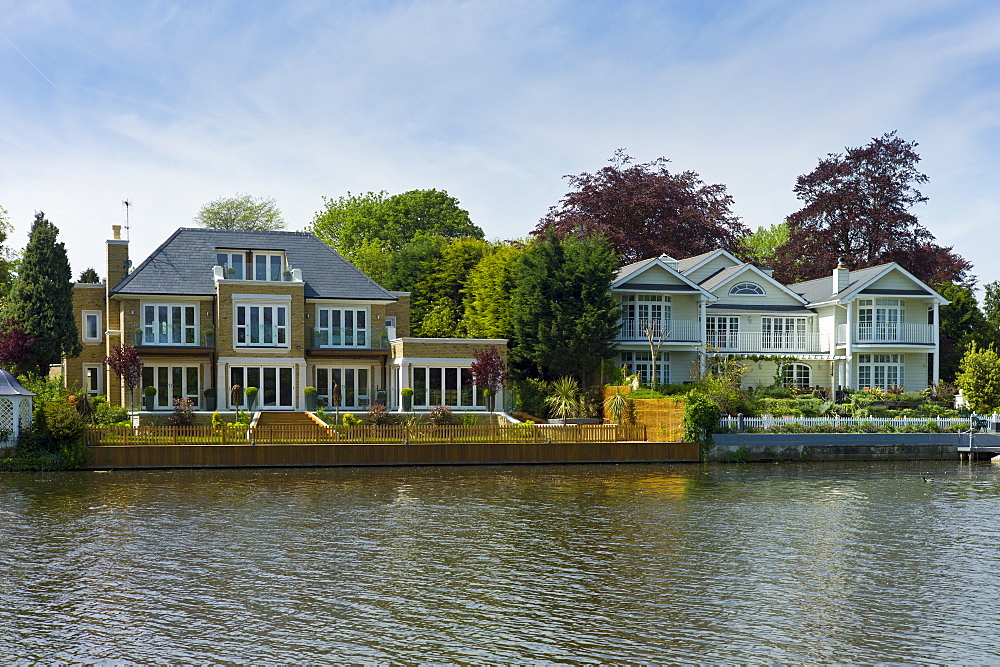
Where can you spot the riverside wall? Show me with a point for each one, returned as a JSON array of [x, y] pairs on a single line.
[[737, 447]]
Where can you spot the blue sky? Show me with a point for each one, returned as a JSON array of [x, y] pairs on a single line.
[[172, 104]]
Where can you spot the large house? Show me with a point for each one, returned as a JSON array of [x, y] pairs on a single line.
[[210, 309], [873, 327]]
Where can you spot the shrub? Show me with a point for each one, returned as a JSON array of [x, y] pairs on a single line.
[[149, 391], [979, 378], [182, 415], [378, 415], [441, 415], [701, 418], [309, 391], [350, 420], [407, 392], [564, 400], [529, 396]]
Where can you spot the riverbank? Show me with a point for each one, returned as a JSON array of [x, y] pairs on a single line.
[[326, 455], [739, 447]]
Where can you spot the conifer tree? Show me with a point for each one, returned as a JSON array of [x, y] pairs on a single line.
[[563, 317], [41, 298]]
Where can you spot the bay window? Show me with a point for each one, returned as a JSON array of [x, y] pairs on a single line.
[[342, 327], [263, 325], [169, 324]]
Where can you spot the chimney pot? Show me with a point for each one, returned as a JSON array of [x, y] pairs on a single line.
[[116, 232]]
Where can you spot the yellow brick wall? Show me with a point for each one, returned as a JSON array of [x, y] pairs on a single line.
[[86, 297], [401, 310], [441, 349], [296, 318]]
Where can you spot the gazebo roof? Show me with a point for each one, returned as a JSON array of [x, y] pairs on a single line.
[[9, 386]]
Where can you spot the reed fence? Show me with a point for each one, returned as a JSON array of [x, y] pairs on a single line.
[[278, 434]]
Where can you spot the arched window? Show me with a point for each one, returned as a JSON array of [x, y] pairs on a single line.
[[797, 375], [747, 288]]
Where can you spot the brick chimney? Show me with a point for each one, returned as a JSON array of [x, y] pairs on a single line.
[[118, 263], [841, 277]]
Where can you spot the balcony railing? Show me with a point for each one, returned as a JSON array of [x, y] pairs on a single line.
[[173, 336], [342, 338], [667, 330], [261, 336], [900, 333], [770, 343]]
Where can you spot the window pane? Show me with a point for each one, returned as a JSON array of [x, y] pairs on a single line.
[[349, 394], [451, 386], [466, 380], [420, 387], [237, 263], [260, 267], [270, 388], [275, 267], [363, 382], [285, 386], [163, 386], [435, 385]]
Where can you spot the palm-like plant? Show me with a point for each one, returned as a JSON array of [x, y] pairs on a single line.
[[564, 401]]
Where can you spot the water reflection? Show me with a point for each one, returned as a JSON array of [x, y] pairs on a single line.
[[776, 563]]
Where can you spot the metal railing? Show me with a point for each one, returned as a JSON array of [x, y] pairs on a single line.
[[235, 434], [340, 337], [635, 328], [262, 336]]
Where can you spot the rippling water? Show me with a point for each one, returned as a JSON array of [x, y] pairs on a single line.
[[764, 563]]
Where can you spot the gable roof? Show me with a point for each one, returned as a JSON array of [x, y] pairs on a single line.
[[692, 263], [182, 265], [634, 269], [724, 275], [820, 290]]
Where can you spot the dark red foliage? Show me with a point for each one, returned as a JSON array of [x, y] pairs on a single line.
[[489, 371], [15, 347], [644, 210], [857, 207], [125, 362]]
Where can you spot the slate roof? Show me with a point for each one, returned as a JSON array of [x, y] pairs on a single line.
[[629, 269], [685, 265], [182, 265], [721, 276], [821, 289]]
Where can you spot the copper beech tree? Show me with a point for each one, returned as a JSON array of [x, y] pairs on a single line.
[[645, 210], [857, 207]]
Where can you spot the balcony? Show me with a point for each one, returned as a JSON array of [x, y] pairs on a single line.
[[173, 336], [283, 274], [770, 343], [889, 334], [340, 338], [681, 331]]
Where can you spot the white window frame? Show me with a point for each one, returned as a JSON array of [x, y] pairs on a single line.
[[153, 331], [280, 372], [881, 370], [747, 288], [356, 395], [229, 254], [99, 332], [795, 373], [462, 376], [93, 372], [329, 336], [273, 264], [726, 336], [641, 363], [281, 335], [880, 319], [783, 333], [163, 400]]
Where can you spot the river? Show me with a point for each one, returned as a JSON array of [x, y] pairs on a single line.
[[859, 562]]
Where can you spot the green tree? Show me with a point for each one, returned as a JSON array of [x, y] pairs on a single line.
[[563, 319], [89, 275], [962, 325], [759, 247], [438, 300], [991, 308], [365, 228], [979, 379], [41, 298], [241, 212], [7, 259], [487, 293]]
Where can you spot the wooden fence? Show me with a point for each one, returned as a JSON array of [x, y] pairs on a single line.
[[278, 434], [662, 417]]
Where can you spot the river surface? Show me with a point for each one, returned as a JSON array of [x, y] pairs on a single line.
[[860, 562]]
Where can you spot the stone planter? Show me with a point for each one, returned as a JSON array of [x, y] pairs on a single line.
[[311, 402], [138, 338]]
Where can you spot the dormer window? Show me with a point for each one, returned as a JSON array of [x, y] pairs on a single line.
[[251, 265], [231, 263], [747, 289]]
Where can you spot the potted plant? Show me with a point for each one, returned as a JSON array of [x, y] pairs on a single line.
[[138, 337], [310, 393], [209, 395], [148, 394], [287, 273], [209, 337], [380, 397], [407, 394], [251, 394]]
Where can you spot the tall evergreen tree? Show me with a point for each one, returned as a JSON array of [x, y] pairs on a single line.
[[563, 318], [487, 294], [41, 298]]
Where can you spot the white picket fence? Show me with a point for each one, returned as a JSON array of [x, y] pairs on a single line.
[[741, 423]]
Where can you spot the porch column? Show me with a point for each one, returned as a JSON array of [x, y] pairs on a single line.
[[302, 381], [849, 347], [936, 370], [222, 401], [703, 332]]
